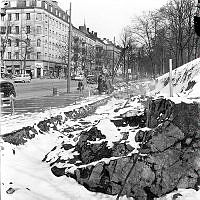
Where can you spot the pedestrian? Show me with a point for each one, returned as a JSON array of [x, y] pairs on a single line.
[[100, 85], [31, 75], [80, 86]]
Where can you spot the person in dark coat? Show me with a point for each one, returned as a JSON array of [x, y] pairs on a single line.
[[80, 86], [31, 75], [100, 84]]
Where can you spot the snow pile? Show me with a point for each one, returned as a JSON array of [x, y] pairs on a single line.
[[10, 123], [185, 79], [25, 176]]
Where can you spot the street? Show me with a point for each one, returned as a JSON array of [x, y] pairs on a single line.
[[38, 95]]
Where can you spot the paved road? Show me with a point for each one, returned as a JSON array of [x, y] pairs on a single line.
[[41, 87], [38, 95]]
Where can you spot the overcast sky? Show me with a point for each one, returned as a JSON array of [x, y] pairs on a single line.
[[108, 17]]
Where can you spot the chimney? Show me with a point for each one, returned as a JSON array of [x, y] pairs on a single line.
[[88, 30], [55, 2], [95, 34]]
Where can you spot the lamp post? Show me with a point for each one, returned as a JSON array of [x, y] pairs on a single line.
[[69, 52]]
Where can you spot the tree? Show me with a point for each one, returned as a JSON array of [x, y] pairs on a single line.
[[5, 37], [181, 36]]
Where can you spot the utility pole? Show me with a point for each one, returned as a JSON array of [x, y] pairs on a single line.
[[113, 58], [170, 78], [69, 51]]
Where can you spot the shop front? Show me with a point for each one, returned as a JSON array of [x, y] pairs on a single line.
[[37, 70]]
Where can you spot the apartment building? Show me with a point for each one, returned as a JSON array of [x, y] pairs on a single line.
[[35, 33]]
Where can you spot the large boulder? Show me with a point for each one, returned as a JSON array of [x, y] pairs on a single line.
[[170, 156]]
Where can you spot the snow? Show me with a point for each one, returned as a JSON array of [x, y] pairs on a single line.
[[31, 179], [181, 77], [10, 123], [24, 171]]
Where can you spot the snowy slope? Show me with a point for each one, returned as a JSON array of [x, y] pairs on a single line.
[[31, 179], [186, 81], [24, 171]]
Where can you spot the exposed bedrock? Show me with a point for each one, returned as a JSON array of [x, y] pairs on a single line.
[[169, 159]]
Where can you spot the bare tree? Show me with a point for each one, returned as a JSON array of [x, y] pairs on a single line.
[[5, 37], [181, 36]]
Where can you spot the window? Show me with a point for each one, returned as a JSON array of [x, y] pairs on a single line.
[[3, 29], [45, 5], [17, 42], [28, 55], [39, 16], [17, 29], [28, 16], [38, 30], [9, 29], [17, 16], [28, 42], [9, 42], [50, 8], [17, 55], [9, 55], [9, 17], [28, 29], [2, 18], [38, 43], [38, 55]]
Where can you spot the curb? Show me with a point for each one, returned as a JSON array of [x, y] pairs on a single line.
[[21, 136]]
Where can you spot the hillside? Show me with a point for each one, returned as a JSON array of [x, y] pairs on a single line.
[[186, 81]]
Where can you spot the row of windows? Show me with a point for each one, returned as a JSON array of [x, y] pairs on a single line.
[[55, 23], [52, 21], [16, 29], [15, 16], [16, 55], [17, 41], [28, 55], [55, 11]]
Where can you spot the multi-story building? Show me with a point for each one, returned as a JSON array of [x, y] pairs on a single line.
[[36, 32], [34, 38]]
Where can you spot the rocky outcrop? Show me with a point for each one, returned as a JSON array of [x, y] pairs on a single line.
[[169, 158], [20, 137]]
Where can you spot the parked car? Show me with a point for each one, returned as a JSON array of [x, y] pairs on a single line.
[[79, 77], [7, 90], [73, 77], [23, 78], [91, 79]]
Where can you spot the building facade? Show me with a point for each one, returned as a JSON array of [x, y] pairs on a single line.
[[34, 38]]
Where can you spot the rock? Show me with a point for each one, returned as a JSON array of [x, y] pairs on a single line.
[[58, 171], [121, 149], [171, 160], [67, 146], [10, 191]]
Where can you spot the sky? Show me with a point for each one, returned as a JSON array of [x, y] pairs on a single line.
[[108, 17]]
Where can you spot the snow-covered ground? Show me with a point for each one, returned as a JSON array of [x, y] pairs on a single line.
[[28, 178], [183, 79]]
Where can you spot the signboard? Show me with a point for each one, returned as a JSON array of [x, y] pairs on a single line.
[[39, 65]]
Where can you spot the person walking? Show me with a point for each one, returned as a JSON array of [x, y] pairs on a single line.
[[80, 86]]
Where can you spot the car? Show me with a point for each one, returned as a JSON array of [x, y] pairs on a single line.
[[79, 77], [7, 91], [91, 79], [23, 78], [73, 77]]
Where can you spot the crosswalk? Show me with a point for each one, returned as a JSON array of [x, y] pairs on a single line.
[[40, 104]]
